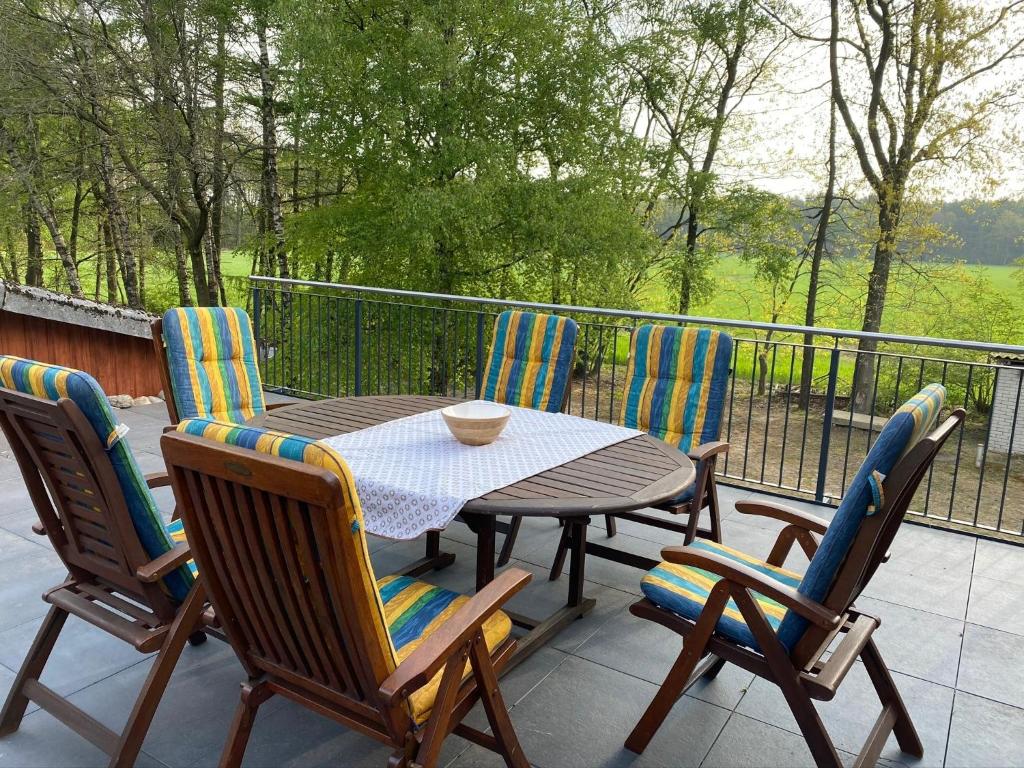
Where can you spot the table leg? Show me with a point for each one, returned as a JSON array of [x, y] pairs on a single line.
[[540, 632]]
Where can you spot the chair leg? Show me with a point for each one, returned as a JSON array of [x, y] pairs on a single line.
[[713, 512], [253, 694], [561, 552], [139, 720], [609, 525], [679, 675], [510, 540], [31, 669], [494, 705], [903, 728], [440, 716]]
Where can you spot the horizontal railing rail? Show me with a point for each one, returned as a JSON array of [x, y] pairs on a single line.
[[800, 416]]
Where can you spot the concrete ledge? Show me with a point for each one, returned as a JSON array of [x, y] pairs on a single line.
[[864, 421], [38, 302]]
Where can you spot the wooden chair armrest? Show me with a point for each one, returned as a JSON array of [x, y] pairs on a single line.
[[159, 567], [784, 514], [745, 576], [423, 663], [158, 480], [38, 529], [707, 450]]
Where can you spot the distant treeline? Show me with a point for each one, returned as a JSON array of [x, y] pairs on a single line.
[[983, 232]]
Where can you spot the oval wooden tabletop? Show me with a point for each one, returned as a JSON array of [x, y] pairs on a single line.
[[636, 473]]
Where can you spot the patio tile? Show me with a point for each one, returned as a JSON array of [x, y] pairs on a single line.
[[25, 578], [42, 742], [199, 701], [984, 734], [749, 743], [997, 604], [1000, 561], [918, 548], [9, 469], [82, 656], [915, 642], [556, 732], [15, 547], [926, 587], [989, 665], [616, 644], [850, 716]]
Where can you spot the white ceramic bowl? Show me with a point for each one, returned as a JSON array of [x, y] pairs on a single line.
[[477, 422]]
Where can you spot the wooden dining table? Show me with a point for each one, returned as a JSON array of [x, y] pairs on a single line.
[[638, 472]]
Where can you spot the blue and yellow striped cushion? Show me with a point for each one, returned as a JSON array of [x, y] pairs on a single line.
[[176, 530], [316, 454], [54, 382], [211, 355], [530, 361], [676, 382], [684, 590], [907, 426], [415, 610]]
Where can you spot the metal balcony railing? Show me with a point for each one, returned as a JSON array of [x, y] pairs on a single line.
[[801, 413]]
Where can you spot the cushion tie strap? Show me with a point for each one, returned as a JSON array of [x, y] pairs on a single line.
[[877, 495]]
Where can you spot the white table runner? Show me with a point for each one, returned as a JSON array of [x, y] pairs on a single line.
[[413, 476]]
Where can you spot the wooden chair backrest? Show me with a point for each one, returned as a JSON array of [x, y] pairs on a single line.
[[281, 574], [77, 496], [877, 531], [156, 329]]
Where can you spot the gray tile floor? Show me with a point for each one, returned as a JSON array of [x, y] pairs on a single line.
[[952, 609]]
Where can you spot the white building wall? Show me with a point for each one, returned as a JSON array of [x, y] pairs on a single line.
[[1004, 404]]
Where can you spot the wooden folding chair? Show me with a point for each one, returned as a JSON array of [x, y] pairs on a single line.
[[278, 535], [125, 574], [730, 607], [676, 384]]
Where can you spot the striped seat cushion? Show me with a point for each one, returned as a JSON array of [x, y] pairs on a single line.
[[54, 382], [414, 610], [684, 589], [676, 382], [530, 361], [914, 419], [176, 530], [211, 356]]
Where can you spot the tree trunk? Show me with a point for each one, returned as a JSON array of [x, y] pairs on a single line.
[[217, 203], [275, 222], [686, 280], [820, 238], [10, 267], [874, 305], [34, 248], [181, 269], [120, 230], [108, 257]]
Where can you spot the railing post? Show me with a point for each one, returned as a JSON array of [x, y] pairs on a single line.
[[826, 426], [359, 347], [479, 353]]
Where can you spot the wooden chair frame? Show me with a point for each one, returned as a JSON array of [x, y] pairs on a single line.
[[705, 458], [112, 583], [802, 674], [312, 641], [156, 328]]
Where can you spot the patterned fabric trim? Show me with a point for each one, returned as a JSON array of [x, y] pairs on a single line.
[[211, 355], [877, 494], [676, 382], [54, 382], [684, 590], [176, 530], [415, 610], [530, 360]]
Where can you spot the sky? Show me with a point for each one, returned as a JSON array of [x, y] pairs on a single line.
[[781, 141]]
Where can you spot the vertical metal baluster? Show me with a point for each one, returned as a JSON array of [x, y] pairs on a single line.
[[600, 368], [807, 412], [615, 360], [959, 444], [358, 364], [750, 408], [586, 369], [874, 402], [732, 399], [826, 424], [479, 372], [1009, 452], [387, 363], [931, 468], [768, 411], [789, 406]]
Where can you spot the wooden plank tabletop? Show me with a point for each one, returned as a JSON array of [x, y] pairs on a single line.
[[636, 473]]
